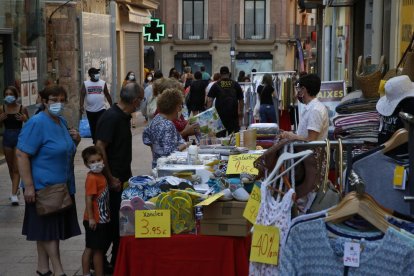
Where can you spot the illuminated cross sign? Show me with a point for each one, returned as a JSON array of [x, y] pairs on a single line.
[[154, 31]]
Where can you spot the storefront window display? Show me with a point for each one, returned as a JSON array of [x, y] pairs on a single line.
[[338, 39]]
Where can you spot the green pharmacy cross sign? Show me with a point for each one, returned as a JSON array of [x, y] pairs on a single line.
[[154, 31]]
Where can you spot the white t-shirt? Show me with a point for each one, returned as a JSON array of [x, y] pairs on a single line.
[[95, 97], [314, 116]]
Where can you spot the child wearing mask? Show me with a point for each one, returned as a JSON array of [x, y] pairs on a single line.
[[96, 217]]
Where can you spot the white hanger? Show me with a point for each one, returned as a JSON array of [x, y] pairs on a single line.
[[282, 158]]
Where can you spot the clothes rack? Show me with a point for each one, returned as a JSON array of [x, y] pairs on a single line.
[[347, 144], [409, 119], [256, 80]]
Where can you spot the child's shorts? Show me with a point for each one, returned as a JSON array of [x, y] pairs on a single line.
[[98, 239]]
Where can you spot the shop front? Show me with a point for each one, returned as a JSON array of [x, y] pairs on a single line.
[[194, 60], [247, 61], [22, 48]]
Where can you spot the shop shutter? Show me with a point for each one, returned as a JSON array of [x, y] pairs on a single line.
[[132, 53]]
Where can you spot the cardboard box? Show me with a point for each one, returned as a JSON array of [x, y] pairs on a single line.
[[224, 210], [225, 227], [225, 219]]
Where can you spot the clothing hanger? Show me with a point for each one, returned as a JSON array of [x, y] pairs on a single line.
[[398, 138], [362, 205]]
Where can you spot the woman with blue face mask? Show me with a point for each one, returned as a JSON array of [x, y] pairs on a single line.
[[45, 153], [12, 116]]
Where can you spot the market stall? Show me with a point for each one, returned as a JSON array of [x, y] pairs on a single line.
[[255, 203]]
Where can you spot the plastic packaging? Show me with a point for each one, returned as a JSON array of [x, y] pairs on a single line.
[[192, 153]]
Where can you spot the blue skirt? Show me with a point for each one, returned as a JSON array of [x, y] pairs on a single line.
[[59, 226]]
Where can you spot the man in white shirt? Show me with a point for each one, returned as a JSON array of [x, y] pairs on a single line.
[[94, 91], [314, 119]]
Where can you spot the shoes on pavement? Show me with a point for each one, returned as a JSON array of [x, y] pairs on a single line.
[[14, 200]]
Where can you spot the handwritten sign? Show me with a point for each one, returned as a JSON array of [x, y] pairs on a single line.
[[253, 205], [265, 245], [242, 163], [210, 200], [152, 223]]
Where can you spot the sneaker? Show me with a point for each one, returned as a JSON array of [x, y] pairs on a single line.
[[14, 200]]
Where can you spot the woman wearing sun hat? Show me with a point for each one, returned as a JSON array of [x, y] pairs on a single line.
[[399, 96]]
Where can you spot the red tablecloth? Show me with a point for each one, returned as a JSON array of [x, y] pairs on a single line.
[[183, 255]]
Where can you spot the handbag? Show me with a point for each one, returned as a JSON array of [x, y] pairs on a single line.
[[53, 199], [326, 195]]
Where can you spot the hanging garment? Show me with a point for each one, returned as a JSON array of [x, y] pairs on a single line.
[[377, 172], [310, 251], [273, 213]]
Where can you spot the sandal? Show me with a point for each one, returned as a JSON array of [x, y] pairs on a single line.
[[49, 273]]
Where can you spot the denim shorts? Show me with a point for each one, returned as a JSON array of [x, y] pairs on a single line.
[[10, 137]]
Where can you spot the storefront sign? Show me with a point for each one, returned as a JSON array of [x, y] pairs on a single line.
[[154, 31], [152, 223], [330, 94], [253, 205], [242, 163], [265, 245]]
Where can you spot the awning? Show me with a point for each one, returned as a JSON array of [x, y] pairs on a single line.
[[138, 15]]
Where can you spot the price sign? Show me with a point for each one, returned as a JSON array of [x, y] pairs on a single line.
[[152, 223], [352, 251], [253, 205], [265, 245], [242, 163], [211, 199]]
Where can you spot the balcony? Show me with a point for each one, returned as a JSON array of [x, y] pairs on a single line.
[[193, 32], [255, 32]]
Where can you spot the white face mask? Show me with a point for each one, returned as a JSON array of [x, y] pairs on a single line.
[[131, 77], [149, 78], [96, 77], [97, 167]]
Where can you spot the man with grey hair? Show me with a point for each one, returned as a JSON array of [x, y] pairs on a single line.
[[114, 138]]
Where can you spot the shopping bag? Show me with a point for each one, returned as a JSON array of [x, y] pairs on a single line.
[[84, 129]]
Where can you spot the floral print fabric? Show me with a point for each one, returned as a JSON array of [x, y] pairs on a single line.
[[162, 136]]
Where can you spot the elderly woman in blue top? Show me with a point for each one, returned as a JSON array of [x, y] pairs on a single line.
[[45, 153], [161, 134]]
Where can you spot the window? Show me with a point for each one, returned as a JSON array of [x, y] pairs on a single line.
[[254, 19], [193, 19]]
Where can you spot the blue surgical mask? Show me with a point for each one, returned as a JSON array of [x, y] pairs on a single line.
[[56, 108], [96, 77], [10, 99]]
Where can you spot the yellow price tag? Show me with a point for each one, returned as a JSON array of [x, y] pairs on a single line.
[[253, 205], [152, 223], [242, 163], [265, 245], [398, 176], [210, 200]]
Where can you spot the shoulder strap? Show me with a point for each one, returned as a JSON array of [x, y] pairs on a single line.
[[20, 110], [4, 109]]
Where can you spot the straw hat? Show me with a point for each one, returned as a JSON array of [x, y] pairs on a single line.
[[396, 89]]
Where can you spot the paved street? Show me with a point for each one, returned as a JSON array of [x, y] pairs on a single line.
[[18, 256]]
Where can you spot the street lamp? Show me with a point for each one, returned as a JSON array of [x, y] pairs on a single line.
[[232, 56]]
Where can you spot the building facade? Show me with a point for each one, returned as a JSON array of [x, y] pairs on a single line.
[[241, 34]]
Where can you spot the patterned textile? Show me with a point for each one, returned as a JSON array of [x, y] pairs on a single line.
[[273, 213], [144, 187], [310, 251], [162, 135]]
